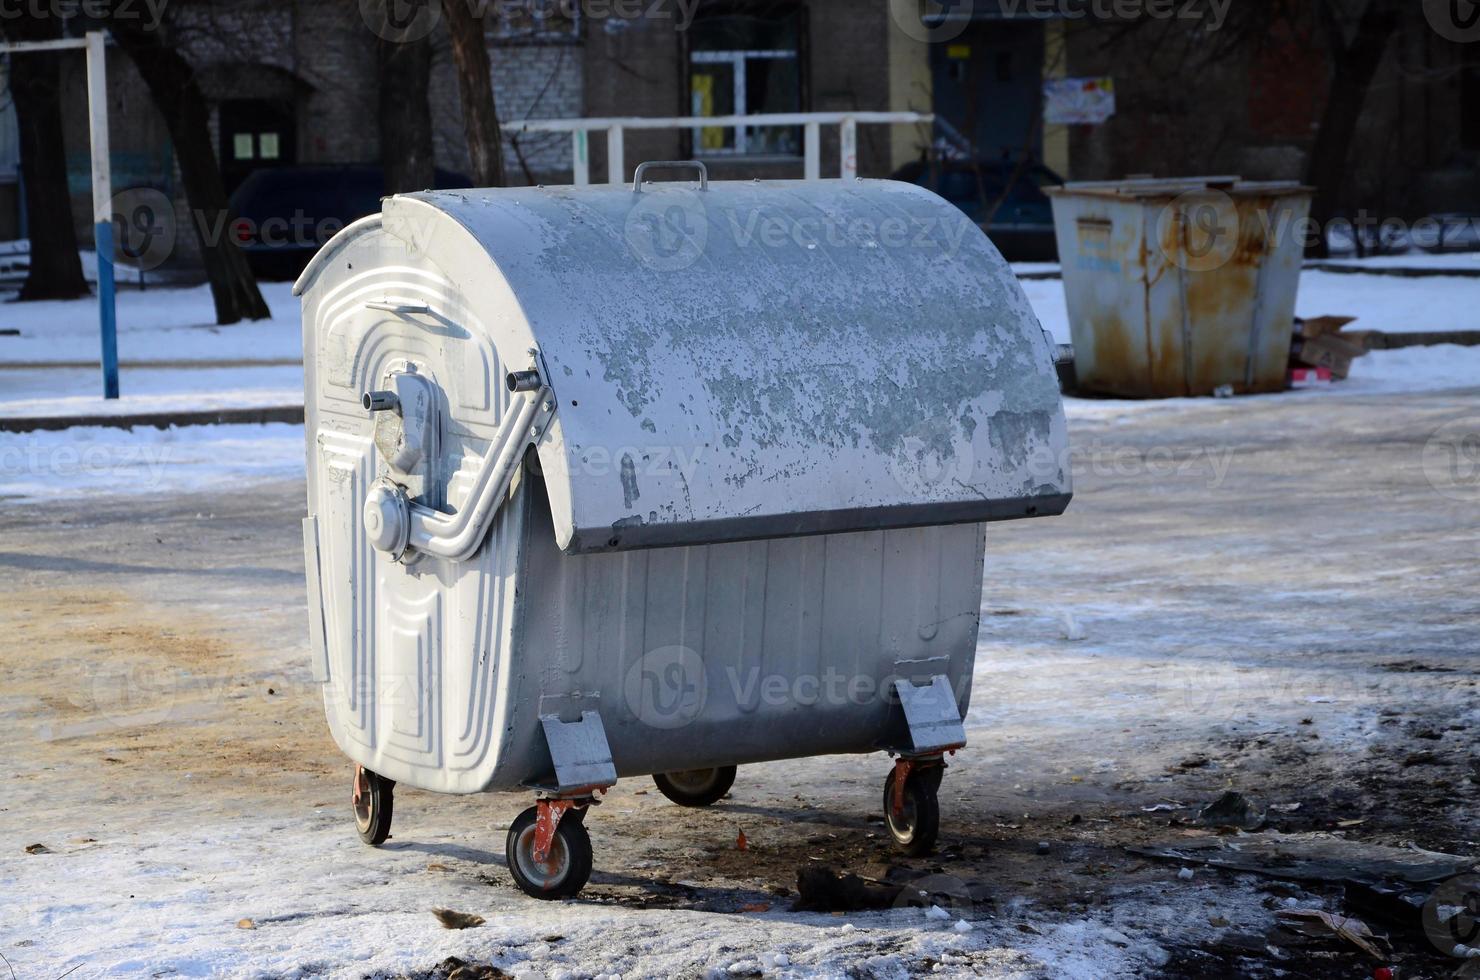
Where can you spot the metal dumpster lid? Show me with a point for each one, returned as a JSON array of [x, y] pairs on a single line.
[[760, 387]]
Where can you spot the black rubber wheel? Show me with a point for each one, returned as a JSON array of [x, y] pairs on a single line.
[[373, 803], [696, 787], [568, 866], [918, 825]]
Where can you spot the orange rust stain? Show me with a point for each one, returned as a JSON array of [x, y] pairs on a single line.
[[1118, 360]]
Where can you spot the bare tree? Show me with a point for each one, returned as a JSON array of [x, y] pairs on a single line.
[[475, 86], [1355, 62], [177, 95], [404, 70], [35, 84], [1356, 36]]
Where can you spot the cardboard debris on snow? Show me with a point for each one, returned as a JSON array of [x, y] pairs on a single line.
[[1320, 343], [1314, 922], [1313, 857]]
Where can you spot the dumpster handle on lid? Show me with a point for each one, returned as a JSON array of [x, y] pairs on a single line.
[[457, 537], [696, 164]]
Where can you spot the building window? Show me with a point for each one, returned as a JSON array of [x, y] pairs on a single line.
[[745, 60], [535, 21], [255, 133]]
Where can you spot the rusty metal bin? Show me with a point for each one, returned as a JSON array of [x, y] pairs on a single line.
[[1180, 287]]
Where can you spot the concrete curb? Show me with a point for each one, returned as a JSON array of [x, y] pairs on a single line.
[[161, 365], [292, 414], [1395, 271]]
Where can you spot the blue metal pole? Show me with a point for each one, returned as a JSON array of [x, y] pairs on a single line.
[[102, 195], [107, 310]]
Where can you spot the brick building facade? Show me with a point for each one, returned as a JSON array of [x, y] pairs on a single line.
[[305, 70]]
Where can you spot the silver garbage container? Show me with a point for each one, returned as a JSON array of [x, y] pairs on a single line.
[[660, 480]]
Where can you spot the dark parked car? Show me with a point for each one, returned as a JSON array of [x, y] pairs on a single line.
[[285, 213], [1022, 225]]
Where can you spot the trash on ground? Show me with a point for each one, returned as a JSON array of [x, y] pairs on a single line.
[[1313, 857], [37, 849], [824, 890], [1232, 810], [1320, 343], [1314, 922], [455, 969], [457, 920]]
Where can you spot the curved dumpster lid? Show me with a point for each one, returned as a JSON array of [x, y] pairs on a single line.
[[756, 359]]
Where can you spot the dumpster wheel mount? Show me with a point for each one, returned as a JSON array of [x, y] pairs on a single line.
[[911, 804], [696, 787], [548, 850], [373, 802]]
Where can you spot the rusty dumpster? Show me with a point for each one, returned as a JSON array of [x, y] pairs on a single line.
[[1180, 287]]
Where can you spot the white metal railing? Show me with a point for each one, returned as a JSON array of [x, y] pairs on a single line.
[[811, 123]]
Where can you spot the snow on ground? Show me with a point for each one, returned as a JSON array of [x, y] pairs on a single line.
[[1463, 261], [179, 795], [184, 929], [81, 462], [154, 324], [64, 392]]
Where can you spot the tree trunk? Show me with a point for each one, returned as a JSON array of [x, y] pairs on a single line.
[[406, 156], [35, 85], [1356, 64], [178, 97], [475, 85]]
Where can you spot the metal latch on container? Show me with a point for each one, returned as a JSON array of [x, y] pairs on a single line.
[[405, 419], [397, 526]]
